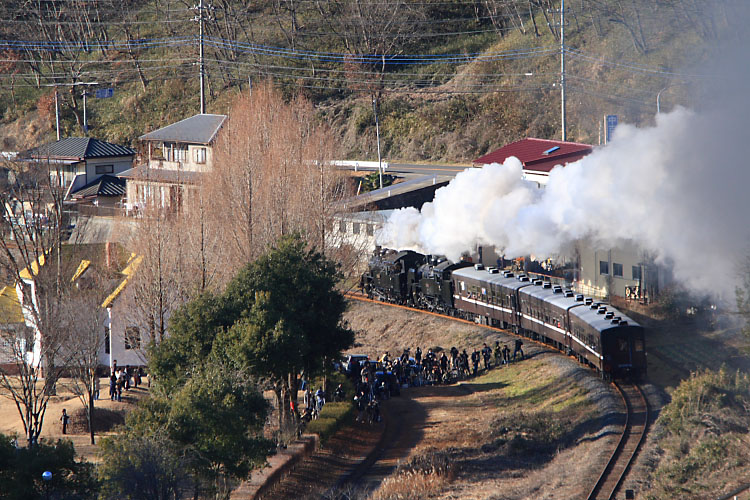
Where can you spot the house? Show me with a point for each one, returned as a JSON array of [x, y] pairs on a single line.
[[105, 191], [123, 342], [12, 327], [76, 162], [177, 156], [118, 341], [538, 156]]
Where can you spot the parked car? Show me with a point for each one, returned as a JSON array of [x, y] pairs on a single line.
[[353, 363]]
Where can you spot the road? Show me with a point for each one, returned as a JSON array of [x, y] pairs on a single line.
[[414, 168]]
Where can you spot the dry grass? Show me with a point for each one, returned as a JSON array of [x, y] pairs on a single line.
[[529, 429]]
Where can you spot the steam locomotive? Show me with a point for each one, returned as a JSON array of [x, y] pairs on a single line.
[[598, 335]]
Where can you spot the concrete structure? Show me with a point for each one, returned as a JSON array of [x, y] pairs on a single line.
[[177, 156]]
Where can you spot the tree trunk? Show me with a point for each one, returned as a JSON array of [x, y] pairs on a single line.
[[91, 417]]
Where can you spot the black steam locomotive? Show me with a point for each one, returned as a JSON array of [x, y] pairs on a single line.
[[596, 334]]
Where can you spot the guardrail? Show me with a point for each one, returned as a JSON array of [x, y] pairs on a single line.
[[361, 165]]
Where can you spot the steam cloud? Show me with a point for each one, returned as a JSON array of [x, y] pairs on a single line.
[[680, 189]]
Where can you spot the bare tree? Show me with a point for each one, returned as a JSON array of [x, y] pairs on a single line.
[[32, 227], [84, 322], [273, 174], [161, 281]]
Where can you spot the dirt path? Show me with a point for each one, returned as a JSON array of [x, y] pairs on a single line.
[[322, 471], [404, 419]]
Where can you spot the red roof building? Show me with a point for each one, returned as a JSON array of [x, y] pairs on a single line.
[[538, 156]]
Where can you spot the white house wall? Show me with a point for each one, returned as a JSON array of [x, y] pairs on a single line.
[[119, 164], [133, 357]]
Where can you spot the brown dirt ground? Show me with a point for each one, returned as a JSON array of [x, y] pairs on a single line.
[[111, 413]]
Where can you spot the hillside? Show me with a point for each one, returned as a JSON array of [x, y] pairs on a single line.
[[454, 79]]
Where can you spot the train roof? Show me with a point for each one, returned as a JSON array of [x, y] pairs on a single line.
[[598, 320], [487, 277], [578, 308]]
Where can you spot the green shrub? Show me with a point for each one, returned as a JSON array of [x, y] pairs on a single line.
[[331, 418]]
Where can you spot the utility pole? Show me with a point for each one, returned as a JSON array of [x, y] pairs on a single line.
[[200, 17], [57, 115], [85, 124], [203, 82], [562, 68], [377, 133]]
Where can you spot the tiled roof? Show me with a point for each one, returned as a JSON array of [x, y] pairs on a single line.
[[531, 152], [198, 129], [106, 185], [10, 307], [144, 173], [78, 148]]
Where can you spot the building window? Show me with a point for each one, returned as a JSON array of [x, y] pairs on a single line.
[[342, 226], [106, 340], [200, 155], [617, 269], [370, 229], [355, 227], [132, 338], [636, 272], [104, 169], [603, 267]]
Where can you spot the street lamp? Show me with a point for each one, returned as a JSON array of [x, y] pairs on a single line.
[[658, 95], [47, 477]]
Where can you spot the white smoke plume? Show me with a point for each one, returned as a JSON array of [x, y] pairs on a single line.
[[680, 189]]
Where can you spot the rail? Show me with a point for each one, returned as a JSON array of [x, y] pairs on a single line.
[[633, 435]]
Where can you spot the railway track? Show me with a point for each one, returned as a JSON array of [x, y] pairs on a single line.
[[633, 435]]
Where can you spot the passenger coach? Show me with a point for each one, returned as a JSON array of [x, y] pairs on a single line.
[[596, 335]]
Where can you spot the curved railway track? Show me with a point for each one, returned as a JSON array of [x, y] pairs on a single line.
[[633, 435]]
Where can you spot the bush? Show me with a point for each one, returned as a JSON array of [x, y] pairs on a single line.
[[143, 467], [21, 471], [331, 418]]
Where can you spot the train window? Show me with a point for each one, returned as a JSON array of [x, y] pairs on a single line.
[[355, 227], [638, 345], [622, 345], [463, 286], [342, 226]]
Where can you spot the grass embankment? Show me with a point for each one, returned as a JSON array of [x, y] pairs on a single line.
[[703, 437], [511, 420], [334, 414]]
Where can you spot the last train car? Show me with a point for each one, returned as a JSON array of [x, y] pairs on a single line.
[[604, 339]]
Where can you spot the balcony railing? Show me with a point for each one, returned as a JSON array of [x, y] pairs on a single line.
[[164, 164]]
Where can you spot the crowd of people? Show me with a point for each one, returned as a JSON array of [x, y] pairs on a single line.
[[377, 380], [123, 379]]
